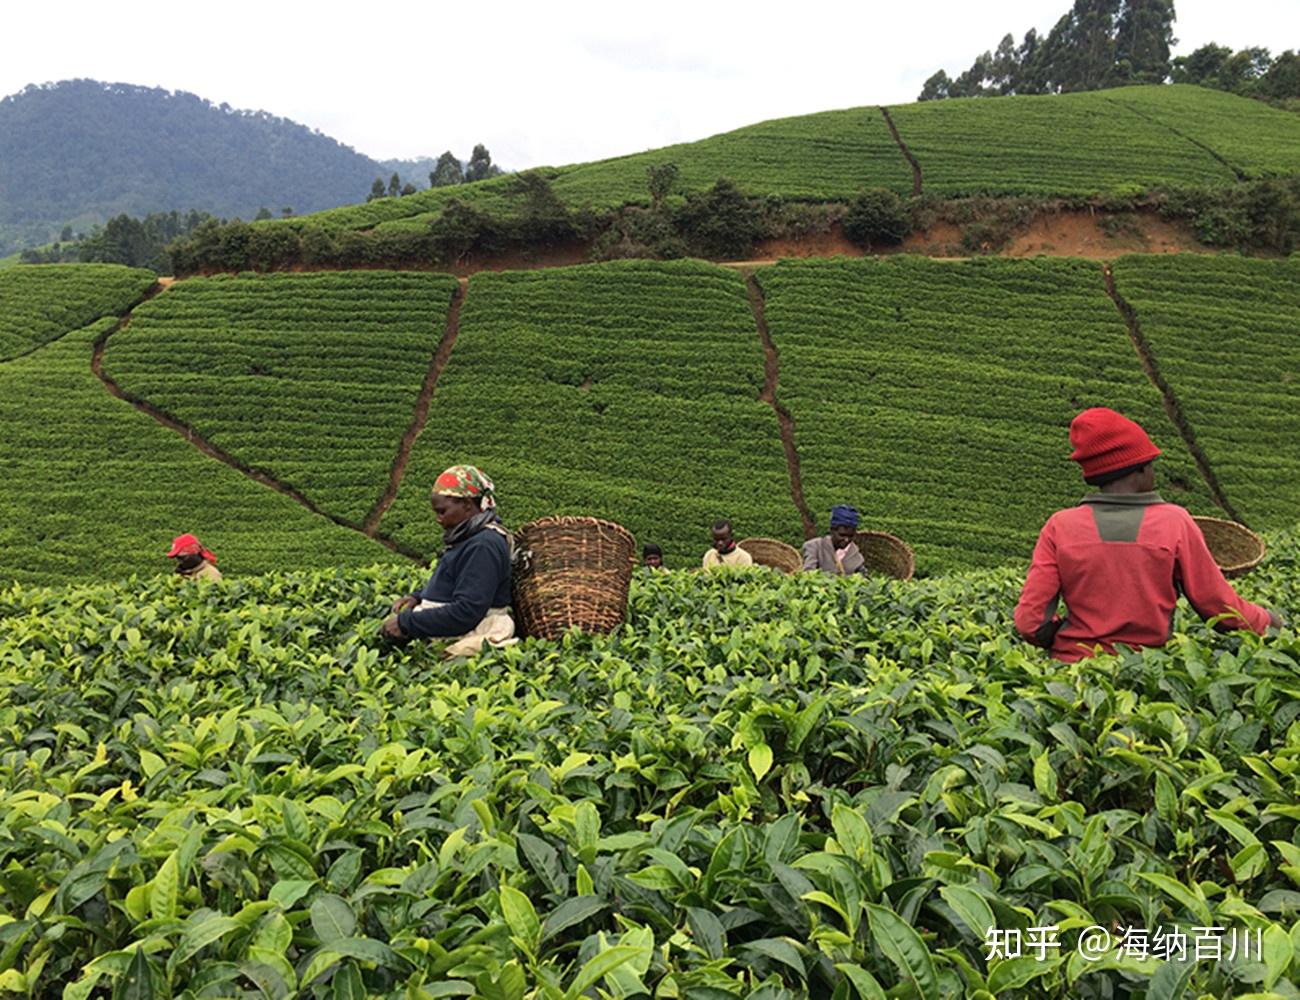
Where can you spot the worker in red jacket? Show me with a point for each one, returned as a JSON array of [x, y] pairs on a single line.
[[1121, 558]]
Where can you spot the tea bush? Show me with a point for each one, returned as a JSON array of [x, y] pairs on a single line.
[[759, 787], [311, 377], [40, 303], [1222, 331]]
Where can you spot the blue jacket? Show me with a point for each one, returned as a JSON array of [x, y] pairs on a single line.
[[471, 576]]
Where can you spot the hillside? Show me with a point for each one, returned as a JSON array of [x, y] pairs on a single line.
[[933, 395], [1070, 145], [81, 151]]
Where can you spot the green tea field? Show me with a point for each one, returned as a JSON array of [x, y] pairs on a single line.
[[1070, 145], [761, 787], [932, 395]]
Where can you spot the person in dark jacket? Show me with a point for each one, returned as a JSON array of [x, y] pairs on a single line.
[[1122, 557], [467, 600]]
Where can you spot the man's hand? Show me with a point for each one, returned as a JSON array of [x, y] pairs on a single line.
[[405, 604], [1274, 620], [391, 629]]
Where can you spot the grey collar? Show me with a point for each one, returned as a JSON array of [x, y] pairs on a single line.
[[1125, 499]]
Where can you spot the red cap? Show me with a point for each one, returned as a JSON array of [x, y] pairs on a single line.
[[183, 545], [1105, 441]]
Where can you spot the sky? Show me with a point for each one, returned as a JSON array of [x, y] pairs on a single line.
[[550, 82]]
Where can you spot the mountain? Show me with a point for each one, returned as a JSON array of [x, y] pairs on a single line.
[[81, 151]]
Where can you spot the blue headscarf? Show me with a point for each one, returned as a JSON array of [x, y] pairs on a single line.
[[842, 515]]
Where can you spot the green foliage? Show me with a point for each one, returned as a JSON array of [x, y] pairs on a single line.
[[877, 217], [1254, 139], [1222, 333], [40, 303], [92, 489], [627, 391], [936, 396], [720, 223], [225, 789], [1066, 144], [310, 377]]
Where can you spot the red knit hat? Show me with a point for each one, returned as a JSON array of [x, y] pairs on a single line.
[[1105, 441]]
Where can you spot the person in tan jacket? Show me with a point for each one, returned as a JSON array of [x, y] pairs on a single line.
[[725, 551], [193, 561]]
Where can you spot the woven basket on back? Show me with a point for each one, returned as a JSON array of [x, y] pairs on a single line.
[[571, 571], [886, 554], [1235, 547], [770, 552]]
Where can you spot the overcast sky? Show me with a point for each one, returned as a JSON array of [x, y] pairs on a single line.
[[549, 83]]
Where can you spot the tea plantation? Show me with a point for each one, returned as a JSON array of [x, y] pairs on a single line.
[[760, 787], [626, 391], [313, 377], [935, 396], [1067, 145], [1223, 334], [92, 489], [39, 304]]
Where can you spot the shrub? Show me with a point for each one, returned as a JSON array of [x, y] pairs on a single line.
[[720, 222], [877, 216]]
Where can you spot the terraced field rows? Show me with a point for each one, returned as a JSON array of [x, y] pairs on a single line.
[[311, 377], [936, 396], [1069, 144], [40, 303], [1256, 139], [1224, 333], [90, 489], [1060, 145], [627, 391], [822, 157]]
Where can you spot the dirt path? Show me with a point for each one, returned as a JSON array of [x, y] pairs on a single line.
[[398, 470], [771, 374], [1171, 404], [212, 451], [916, 166]]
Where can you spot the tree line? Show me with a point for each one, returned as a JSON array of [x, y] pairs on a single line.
[[448, 171], [1114, 43]]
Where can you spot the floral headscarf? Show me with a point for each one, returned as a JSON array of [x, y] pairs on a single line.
[[466, 482]]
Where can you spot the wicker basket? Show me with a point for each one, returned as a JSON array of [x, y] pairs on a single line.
[[571, 571], [1235, 547], [886, 554], [770, 552]]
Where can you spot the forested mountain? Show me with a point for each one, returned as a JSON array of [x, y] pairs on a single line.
[[80, 152]]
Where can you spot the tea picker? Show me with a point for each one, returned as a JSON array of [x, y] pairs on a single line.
[[467, 600], [1120, 559]]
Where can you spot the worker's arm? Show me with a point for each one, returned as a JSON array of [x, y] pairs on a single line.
[[478, 578], [810, 554], [1209, 593], [1036, 617]]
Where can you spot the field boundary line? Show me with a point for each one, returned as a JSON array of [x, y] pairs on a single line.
[[1236, 171], [916, 165], [206, 447], [441, 354], [785, 422], [1173, 408]]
